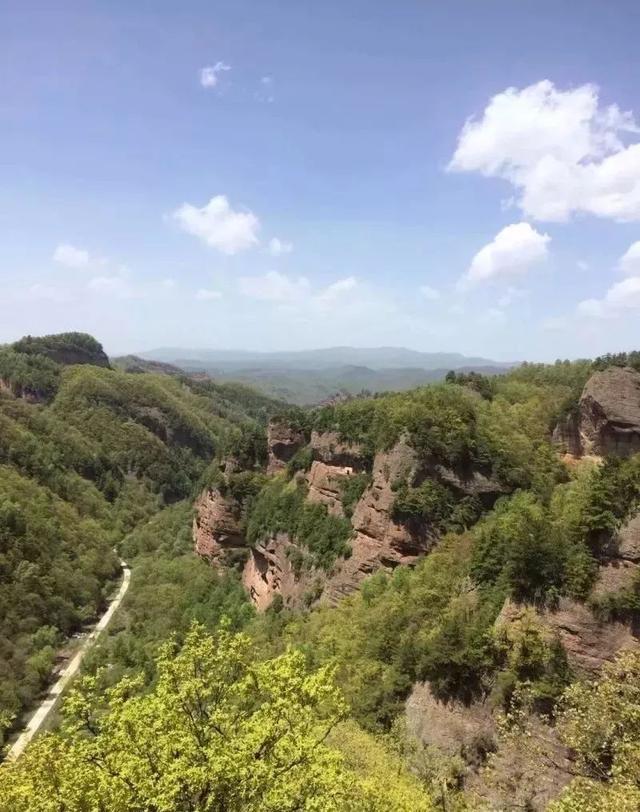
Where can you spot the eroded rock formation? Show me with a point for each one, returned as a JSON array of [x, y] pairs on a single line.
[[217, 532], [283, 441], [607, 419]]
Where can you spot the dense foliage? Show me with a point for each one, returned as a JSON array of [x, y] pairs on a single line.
[[88, 455], [218, 731], [250, 718], [280, 507], [600, 722]]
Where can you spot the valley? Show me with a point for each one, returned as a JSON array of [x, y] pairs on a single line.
[[457, 565]]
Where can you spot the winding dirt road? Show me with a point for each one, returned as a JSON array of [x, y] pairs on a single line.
[[69, 671]]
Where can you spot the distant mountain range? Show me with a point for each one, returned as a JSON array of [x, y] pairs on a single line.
[[313, 376], [331, 357]]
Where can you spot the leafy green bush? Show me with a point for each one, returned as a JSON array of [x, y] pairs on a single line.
[[351, 490], [281, 508]]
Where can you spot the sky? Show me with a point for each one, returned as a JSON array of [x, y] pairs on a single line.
[[277, 174]]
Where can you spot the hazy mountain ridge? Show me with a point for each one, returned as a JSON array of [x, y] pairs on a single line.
[[372, 357], [312, 376]]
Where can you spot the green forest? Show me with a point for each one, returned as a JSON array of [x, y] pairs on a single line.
[[193, 701]]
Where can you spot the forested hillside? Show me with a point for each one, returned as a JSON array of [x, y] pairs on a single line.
[[87, 454], [405, 602]]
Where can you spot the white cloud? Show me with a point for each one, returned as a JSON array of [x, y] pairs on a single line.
[[332, 293], [209, 75], [168, 284], [561, 150], [278, 247], [71, 257], [205, 295], [513, 251], [582, 265], [274, 287], [630, 262], [620, 298], [429, 293], [218, 225]]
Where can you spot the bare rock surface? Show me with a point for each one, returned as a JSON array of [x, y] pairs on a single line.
[[588, 641], [628, 540], [269, 572], [609, 413], [283, 441], [327, 447], [324, 483], [379, 541], [216, 527], [512, 777]]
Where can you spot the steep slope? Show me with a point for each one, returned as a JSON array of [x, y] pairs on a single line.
[[370, 484], [87, 453]]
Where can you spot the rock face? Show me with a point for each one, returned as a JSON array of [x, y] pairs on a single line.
[[608, 416], [269, 571], [512, 777], [588, 641], [328, 448], [325, 485], [217, 534], [282, 443], [379, 542], [621, 563]]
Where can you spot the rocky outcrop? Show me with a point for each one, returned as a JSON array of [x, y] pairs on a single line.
[[379, 541], [502, 774], [588, 641], [324, 483], [270, 571], [217, 532], [607, 420], [327, 447], [283, 441], [470, 483], [621, 561], [566, 434]]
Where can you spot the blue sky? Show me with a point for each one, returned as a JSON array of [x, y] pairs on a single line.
[[336, 129]]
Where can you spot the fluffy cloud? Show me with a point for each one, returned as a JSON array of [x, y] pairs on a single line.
[[621, 297], [274, 287], [278, 247], [218, 225], [429, 293], [297, 291], [513, 251], [204, 295], [630, 262], [71, 257], [337, 290], [561, 150], [209, 75]]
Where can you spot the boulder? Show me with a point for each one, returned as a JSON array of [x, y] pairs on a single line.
[[609, 413]]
